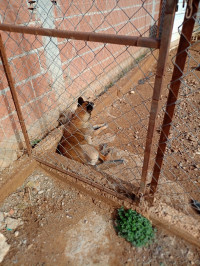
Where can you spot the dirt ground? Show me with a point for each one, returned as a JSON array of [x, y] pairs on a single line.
[[127, 118], [50, 222], [59, 225]]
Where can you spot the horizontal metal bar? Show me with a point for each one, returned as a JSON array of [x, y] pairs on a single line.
[[84, 180], [85, 36]]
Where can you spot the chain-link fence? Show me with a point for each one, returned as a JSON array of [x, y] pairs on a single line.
[[108, 144], [50, 74], [176, 170]]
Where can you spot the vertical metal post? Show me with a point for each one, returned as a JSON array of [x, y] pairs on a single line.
[[14, 94], [181, 56], [163, 53]]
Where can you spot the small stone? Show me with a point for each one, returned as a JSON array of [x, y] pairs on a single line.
[[16, 233], [29, 246], [12, 224], [4, 247], [190, 255], [24, 241], [1, 217], [11, 212], [40, 192]]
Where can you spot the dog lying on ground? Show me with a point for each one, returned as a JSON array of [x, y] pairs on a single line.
[[76, 142]]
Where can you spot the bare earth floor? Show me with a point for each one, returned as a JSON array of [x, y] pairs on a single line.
[[59, 225], [50, 222]]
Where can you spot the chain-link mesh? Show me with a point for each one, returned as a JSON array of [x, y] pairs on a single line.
[[178, 193], [118, 17], [51, 73]]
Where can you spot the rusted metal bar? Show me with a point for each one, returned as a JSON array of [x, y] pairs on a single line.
[[87, 181], [163, 53], [14, 94], [181, 57], [85, 36], [160, 18]]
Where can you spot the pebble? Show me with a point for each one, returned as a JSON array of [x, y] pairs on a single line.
[[190, 255], [24, 241], [16, 233], [1, 217], [40, 192], [12, 223], [29, 246], [4, 247], [11, 212]]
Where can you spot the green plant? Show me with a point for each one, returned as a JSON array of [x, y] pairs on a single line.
[[35, 142], [134, 227]]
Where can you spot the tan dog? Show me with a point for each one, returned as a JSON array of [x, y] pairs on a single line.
[[76, 142]]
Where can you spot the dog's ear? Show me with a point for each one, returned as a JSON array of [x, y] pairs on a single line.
[[80, 101]]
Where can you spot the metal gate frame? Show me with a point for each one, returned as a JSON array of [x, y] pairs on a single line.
[[162, 45]]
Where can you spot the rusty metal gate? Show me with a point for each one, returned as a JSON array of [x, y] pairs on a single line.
[[47, 65]]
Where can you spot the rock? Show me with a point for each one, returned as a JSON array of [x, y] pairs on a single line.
[[40, 192], [190, 255], [1, 217], [11, 212], [114, 104], [24, 242], [16, 233], [12, 224], [29, 246], [2, 224], [4, 247]]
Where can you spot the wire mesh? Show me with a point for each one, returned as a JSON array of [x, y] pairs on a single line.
[[179, 187], [12, 141], [119, 17], [51, 73]]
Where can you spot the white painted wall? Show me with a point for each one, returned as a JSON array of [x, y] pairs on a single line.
[[178, 21], [45, 14]]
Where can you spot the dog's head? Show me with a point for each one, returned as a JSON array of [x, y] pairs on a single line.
[[84, 109], [85, 105]]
